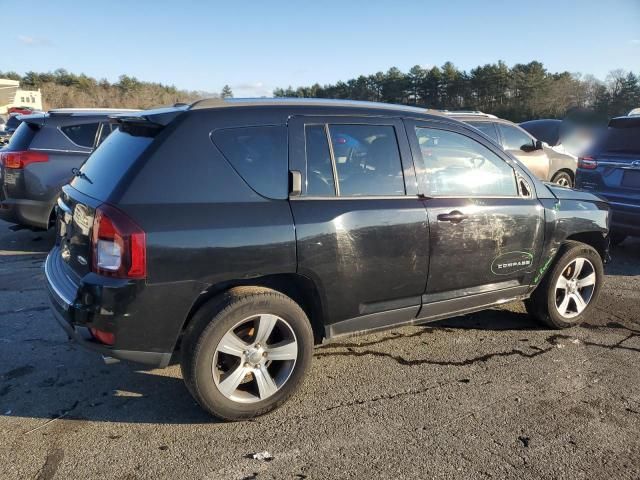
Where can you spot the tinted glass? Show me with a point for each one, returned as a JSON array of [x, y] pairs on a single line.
[[367, 160], [487, 128], [259, 155], [83, 135], [104, 133], [319, 170], [514, 138], [21, 138], [109, 163], [546, 130], [12, 122], [621, 140], [456, 165]]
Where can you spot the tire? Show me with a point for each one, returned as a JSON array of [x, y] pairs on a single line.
[[266, 382], [563, 179], [547, 301], [616, 238]]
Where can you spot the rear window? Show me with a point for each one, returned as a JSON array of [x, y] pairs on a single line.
[[21, 138], [83, 135], [623, 138], [259, 155], [109, 163], [12, 123]]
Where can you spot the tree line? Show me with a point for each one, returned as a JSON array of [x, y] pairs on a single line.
[[64, 89], [522, 92]]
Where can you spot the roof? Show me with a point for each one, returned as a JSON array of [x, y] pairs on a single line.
[[301, 102]]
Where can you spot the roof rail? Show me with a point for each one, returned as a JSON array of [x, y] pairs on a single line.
[[474, 113], [70, 111]]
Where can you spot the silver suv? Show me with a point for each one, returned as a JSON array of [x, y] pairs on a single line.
[[42, 155]]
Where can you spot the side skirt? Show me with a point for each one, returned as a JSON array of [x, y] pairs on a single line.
[[429, 312]]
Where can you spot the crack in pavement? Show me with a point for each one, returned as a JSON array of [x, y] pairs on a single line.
[[51, 464]]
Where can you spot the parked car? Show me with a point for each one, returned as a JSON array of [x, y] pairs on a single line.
[[40, 158], [635, 112], [543, 161], [229, 234], [612, 170]]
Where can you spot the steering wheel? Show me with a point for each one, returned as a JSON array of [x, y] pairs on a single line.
[[477, 161]]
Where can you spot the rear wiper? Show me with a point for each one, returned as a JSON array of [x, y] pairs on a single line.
[[77, 173]]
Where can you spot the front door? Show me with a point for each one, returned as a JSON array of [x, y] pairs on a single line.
[[486, 226], [361, 229]]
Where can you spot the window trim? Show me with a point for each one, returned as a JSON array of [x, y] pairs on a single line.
[[467, 131]]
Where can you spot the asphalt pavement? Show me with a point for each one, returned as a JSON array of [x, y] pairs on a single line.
[[487, 395]]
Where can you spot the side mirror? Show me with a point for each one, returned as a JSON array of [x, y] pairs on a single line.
[[531, 147], [538, 144]]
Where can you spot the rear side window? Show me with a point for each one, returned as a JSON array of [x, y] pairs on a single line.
[[109, 163], [367, 160], [487, 128], [259, 155], [83, 135]]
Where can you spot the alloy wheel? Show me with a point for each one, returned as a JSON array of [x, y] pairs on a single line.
[[575, 287], [255, 358]]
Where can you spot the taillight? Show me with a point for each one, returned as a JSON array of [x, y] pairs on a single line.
[[119, 245], [107, 338], [22, 159], [588, 163]]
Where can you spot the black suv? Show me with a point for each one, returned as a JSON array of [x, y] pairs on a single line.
[[239, 233]]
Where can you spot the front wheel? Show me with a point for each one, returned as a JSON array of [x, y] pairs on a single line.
[[246, 353], [569, 291]]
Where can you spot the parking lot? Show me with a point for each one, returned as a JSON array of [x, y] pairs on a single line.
[[488, 395]]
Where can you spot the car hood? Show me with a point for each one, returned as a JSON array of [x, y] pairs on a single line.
[[562, 193]]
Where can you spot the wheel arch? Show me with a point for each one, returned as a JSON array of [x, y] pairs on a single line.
[[594, 239], [299, 288]]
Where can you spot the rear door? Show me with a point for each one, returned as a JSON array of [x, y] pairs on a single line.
[[522, 146], [361, 230], [486, 226]]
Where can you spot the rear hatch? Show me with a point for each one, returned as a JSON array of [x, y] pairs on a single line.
[[94, 188], [614, 170]]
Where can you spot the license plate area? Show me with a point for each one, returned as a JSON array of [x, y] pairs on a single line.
[[631, 179]]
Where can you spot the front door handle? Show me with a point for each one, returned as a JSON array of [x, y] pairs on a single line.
[[453, 217]]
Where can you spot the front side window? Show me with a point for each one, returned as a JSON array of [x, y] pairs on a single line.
[[83, 135], [514, 138], [367, 160], [456, 165], [259, 155]]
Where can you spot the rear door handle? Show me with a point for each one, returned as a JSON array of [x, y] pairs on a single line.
[[453, 217]]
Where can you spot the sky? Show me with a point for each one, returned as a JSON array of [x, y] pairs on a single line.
[[256, 46]]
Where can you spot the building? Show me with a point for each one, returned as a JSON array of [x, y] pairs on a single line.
[[11, 95]]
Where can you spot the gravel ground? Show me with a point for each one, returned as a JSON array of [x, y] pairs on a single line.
[[488, 395]]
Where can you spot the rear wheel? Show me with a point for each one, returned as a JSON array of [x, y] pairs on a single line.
[[246, 353], [563, 179], [569, 291]]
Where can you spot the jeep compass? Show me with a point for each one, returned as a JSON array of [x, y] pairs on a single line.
[[235, 235]]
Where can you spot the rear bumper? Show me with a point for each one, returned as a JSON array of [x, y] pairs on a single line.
[[75, 318], [625, 218], [31, 213]]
